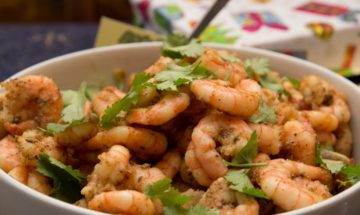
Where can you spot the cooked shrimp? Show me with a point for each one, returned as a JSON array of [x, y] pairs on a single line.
[[10, 156], [300, 139], [339, 108], [321, 121], [268, 137], [186, 174], [195, 167], [19, 128], [164, 110], [344, 141], [220, 196], [159, 65], [105, 98], [170, 163], [296, 97], [316, 91], [139, 176], [220, 95], [195, 195], [33, 97], [33, 142], [123, 202], [231, 132], [212, 60], [77, 134], [326, 138], [146, 143], [108, 172], [32, 179], [285, 112], [276, 179]]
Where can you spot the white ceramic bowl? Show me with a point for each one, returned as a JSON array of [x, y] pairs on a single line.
[[97, 65]]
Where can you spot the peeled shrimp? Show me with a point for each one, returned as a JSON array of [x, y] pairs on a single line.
[[77, 134], [220, 196], [170, 163], [321, 121], [296, 97], [316, 91], [231, 131], [110, 171], [344, 141], [159, 65], [277, 181], [195, 195], [33, 97], [123, 202], [220, 95], [300, 139], [105, 98], [139, 176], [285, 112], [164, 110], [212, 60], [146, 144], [10, 156], [33, 142], [32, 179], [195, 167], [268, 137], [339, 108]]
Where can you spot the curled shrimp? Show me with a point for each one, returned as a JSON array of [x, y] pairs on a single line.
[[33, 142], [110, 171], [326, 138], [123, 202], [159, 65], [10, 156], [268, 137], [220, 95], [344, 141], [32, 179], [195, 167], [300, 139], [164, 110], [195, 195], [220, 196], [105, 98], [296, 97], [277, 180], [212, 60], [33, 97], [170, 163], [339, 108], [146, 144], [316, 91], [139, 176], [321, 121], [232, 132], [77, 134]]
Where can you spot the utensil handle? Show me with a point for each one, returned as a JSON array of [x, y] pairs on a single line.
[[217, 6]]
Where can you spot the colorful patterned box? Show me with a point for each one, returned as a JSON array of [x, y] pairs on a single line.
[[326, 32]]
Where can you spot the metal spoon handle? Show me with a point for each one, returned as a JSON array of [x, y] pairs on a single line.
[[217, 6]]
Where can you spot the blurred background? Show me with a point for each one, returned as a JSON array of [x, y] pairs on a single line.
[[35, 30]]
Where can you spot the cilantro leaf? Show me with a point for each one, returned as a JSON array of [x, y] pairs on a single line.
[[352, 173], [192, 50], [174, 76], [239, 181], [248, 152], [294, 82], [125, 104], [66, 180], [263, 114], [268, 81], [176, 39], [91, 91], [334, 166], [244, 165], [73, 112], [259, 66], [172, 199], [168, 195]]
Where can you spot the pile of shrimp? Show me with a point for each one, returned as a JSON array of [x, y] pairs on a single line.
[[184, 135]]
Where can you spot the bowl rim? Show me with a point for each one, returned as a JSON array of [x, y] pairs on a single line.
[[261, 52]]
